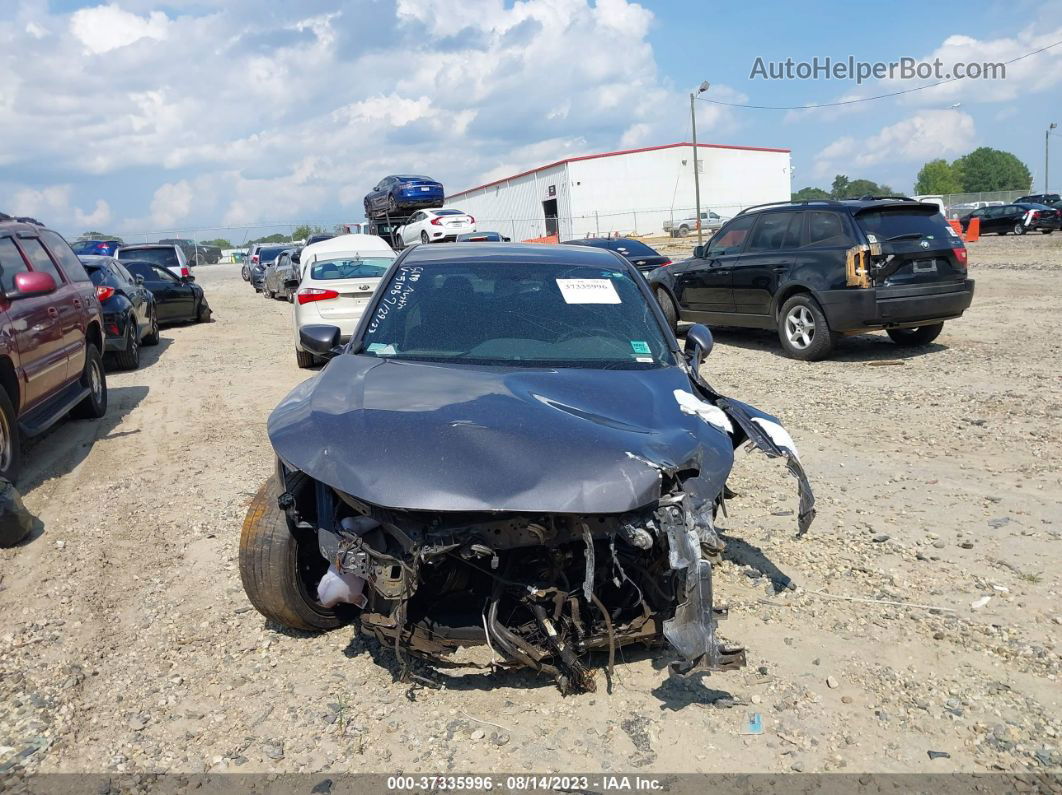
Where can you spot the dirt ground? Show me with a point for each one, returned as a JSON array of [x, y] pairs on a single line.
[[126, 642]]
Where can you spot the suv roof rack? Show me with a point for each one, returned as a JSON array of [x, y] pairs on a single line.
[[789, 201], [869, 198]]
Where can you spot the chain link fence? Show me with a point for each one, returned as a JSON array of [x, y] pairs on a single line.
[[959, 204]]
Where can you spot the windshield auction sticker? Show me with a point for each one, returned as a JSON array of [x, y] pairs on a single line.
[[588, 291]]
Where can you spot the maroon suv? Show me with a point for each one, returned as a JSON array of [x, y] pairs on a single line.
[[50, 337]]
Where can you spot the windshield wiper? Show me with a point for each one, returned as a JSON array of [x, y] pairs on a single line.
[[905, 236]]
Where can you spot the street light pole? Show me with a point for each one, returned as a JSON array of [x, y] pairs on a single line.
[[696, 175], [1047, 140]]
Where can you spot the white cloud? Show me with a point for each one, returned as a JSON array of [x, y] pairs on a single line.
[[98, 217], [37, 202], [171, 203], [104, 28], [926, 135]]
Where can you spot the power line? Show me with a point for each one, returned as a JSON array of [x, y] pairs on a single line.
[[867, 99]]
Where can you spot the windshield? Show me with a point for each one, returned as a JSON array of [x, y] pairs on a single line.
[[530, 315], [885, 224], [350, 268], [164, 255]]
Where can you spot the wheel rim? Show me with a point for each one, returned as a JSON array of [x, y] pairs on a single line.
[[95, 381], [5, 443], [1018, 229], [800, 327]]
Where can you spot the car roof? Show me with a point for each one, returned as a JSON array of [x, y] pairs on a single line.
[[348, 244], [852, 205], [510, 253], [20, 224], [95, 260], [143, 246]]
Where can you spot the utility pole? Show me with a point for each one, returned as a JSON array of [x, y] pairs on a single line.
[[1047, 141], [696, 175]]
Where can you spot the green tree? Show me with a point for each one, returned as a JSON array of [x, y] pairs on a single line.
[[220, 242], [304, 231], [807, 194], [274, 238], [863, 187], [987, 169], [839, 188], [99, 236], [938, 176]]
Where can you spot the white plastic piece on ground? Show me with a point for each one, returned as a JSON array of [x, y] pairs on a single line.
[[979, 603], [713, 415], [779, 435], [337, 586]]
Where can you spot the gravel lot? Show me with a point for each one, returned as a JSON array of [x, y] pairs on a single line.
[[126, 642]]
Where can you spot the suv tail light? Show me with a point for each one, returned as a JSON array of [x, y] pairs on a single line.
[[307, 295], [960, 255], [103, 292], [254, 259], [1035, 215], [185, 272]]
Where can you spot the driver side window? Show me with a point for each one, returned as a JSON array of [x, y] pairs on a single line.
[[731, 238]]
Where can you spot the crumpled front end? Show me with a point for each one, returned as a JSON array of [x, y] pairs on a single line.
[[542, 590]]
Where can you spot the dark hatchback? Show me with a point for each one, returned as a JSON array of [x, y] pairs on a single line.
[[176, 298], [1017, 218], [101, 248], [635, 252], [398, 193], [817, 270], [129, 316], [267, 255]]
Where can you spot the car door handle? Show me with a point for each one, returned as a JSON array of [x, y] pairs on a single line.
[[53, 312]]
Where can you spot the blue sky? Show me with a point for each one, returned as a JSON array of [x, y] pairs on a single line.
[[139, 117]]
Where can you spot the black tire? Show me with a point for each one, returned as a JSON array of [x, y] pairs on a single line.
[[203, 311], [803, 319], [305, 359], [245, 272], [267, 293], [424, 238], [913, 337], [1046, 231], [129, 359], [152, 337], [275, 565], [1019, 228], [1002, 233], [95, 405], [667, 306], [684, 231], [10, 441]]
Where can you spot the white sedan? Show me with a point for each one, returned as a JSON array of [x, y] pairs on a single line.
[[435, 226], [338, 277]]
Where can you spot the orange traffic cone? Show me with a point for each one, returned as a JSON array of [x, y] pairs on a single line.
[[973, 231], [956, 225]]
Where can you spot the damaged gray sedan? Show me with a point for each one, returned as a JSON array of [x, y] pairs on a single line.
[[511, 451]]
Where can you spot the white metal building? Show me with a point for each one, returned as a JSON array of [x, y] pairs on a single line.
[[626, 192]]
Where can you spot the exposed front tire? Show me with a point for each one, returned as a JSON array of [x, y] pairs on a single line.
[[1046, 231], [305, 359], [803, 329], [280, 569], [667, 306], [10, 443], [129, 359], [203, 312], [94, 405], [913, 337]]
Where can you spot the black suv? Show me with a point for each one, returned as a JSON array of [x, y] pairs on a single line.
[[815, 270]]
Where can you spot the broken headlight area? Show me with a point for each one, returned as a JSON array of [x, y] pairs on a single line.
[[541, 591]]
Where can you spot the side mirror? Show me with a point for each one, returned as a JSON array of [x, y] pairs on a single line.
[[698, 344], [319, 339], [31, 283], [698, 252], [138, 279]]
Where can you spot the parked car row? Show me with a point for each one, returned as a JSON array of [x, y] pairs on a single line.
[[1017, 218], [62, 316]]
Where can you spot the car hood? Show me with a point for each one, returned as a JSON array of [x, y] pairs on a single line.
[[442, 437]]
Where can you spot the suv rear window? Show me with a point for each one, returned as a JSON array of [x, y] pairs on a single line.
[[163, 255], [886, 223]]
